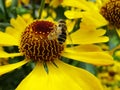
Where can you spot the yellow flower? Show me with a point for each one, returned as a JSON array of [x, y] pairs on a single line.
[[26, 2], [86, 10], [55, 3], [110, 76], [91, 20], [9, 2], [87, 34], [110, 9], [38, 42], [115, 51], [27, 17], [111, 12], [101, 12]]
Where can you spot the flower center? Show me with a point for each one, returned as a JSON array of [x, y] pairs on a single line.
[[111, 12], [39, 41]]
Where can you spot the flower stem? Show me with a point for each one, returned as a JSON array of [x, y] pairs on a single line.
[[4, 9], [33, 9], [41, 8]]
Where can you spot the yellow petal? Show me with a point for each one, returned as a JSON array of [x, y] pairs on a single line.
[[58, 78], [4, 54], [7, 40], [99, 3], [95, 18], [3, 61], [117, 53], [118, 31], [12, 31], [84, 25], [7, 68], [70, 25], [55, 3], [26, 2], [85, 48], [88, 37], [28, 18], [18, 26], [19, 23], [82, 4], [115, 50], [8, 3], [36, 80], [89, 56], [82, 77], [73, 14], [91, 11]]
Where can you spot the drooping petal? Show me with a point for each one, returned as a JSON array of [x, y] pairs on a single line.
[[87, 9], [7, 40], [58, 78], [88, 33], [94, 18], [80, 76], [7, 68], [88, 55], [4, 54], [88, 37], [36, 80]]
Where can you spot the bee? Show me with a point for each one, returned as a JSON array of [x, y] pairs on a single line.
[[62, 31]]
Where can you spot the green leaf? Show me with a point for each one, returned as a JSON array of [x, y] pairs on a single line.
[[1, 6], [3, 10]]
